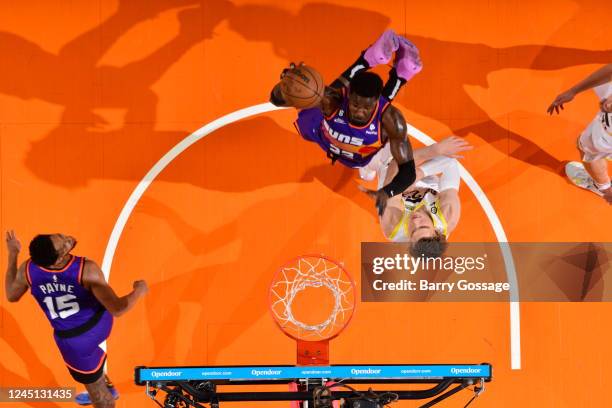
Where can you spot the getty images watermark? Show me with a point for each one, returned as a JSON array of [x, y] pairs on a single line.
[[491, 272], [411, 265]]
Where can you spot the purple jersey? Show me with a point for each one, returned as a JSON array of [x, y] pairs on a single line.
[[353, 146], [61, 295]]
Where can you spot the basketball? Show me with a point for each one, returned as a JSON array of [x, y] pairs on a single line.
[[302, 87]]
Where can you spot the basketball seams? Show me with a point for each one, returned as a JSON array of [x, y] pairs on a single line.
[[302, 87], [305, 85]]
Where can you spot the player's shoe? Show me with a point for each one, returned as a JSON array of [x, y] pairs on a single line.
[[407, 61], [577, 174], [83, 398], [381, 51]]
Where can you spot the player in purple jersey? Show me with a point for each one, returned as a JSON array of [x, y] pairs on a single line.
[[77, 301], [354, 119]]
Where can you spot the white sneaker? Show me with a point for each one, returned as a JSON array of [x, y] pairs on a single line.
[[577, 174]]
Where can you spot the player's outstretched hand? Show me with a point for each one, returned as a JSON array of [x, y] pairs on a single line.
[[141, 287], [559, 101], [12, 243], [379, 196], [381, 202], [451, 146]]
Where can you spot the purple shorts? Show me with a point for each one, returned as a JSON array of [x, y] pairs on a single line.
[[82, 354]]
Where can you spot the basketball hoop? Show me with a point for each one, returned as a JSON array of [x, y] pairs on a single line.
[[312, 299]]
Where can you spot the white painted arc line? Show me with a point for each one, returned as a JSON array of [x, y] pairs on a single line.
[[172, 154], [111, 246], [267, 107], [500, 234]]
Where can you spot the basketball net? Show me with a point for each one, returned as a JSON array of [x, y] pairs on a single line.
[[312, 299]]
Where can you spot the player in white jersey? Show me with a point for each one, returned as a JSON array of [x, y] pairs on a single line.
[[595, 142], [428, 211]]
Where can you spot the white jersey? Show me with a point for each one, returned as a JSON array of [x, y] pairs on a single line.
[[415, 199]]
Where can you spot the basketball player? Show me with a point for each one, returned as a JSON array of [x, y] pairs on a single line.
[[428, 211], [595, 142], [77, 300], [355, 119]]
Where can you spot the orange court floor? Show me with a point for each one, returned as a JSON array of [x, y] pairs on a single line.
[[94, 93]]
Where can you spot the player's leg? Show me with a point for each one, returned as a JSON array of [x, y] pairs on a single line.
[[379, 52], [86, 360], [598, 169], [592, 173], [85, 398], [100, 394], [407, 63]]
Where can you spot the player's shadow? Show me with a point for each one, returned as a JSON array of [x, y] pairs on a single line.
[[267, 155], [451, 66], [321, 34], [74, 78], [438, 92], [39, 375]]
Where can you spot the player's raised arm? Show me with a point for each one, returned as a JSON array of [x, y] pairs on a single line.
[[93, 279], [15, 282], [394, 126], [599, 77], [449, 147]]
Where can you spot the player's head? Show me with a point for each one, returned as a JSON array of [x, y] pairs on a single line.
[[606, 104], [49, 249], [425, 238], [429, 247], [364, 90]]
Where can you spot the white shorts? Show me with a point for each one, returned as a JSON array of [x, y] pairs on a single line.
[[595, 142]]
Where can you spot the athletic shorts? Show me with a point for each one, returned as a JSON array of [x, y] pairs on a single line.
[[595, 142], [82, 353]]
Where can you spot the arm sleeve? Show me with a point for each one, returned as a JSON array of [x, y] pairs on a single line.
[[406, 175]]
